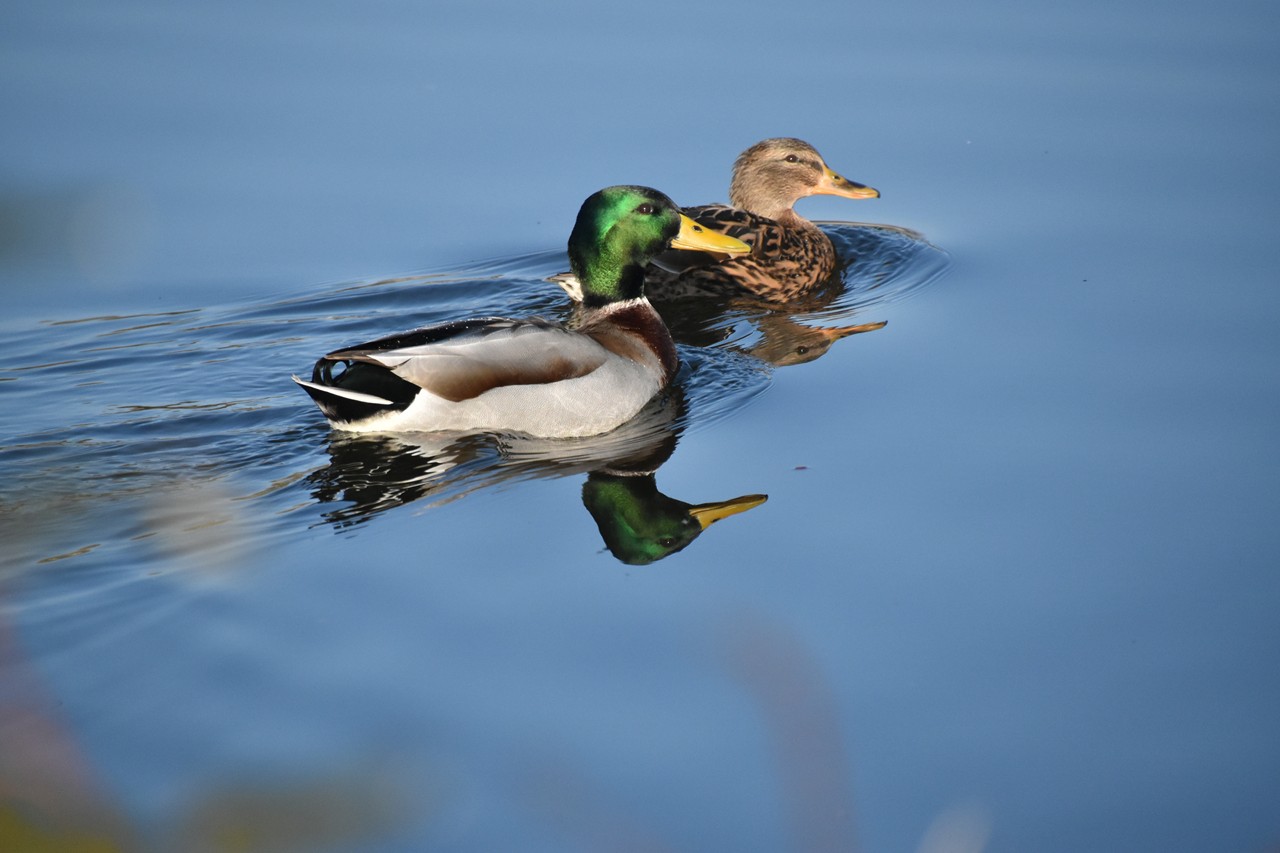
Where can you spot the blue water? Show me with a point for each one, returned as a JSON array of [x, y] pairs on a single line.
[[1014, 586]]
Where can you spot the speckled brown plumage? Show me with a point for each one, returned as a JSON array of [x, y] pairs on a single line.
[[790, 256]]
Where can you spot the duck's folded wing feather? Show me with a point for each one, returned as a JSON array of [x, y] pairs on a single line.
[[735, 222], [463, 360]]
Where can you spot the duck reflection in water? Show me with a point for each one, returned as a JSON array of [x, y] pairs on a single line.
[[641, 525], [369, 474], [781, 337], [875, 262], [784, 341]]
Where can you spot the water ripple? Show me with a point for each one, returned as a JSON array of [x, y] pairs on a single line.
[[116, 411]]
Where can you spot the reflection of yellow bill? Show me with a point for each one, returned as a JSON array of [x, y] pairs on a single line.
[[709, 514], [838, 332]]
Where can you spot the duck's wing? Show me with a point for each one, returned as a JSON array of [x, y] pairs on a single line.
[[738, 223], [455, 361], [756, 231]]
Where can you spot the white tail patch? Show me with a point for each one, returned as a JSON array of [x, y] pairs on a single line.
[[569, 282], [343, 392]]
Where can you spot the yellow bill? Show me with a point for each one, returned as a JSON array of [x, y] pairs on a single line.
[[833, 184], [700, 238], [708, 514]]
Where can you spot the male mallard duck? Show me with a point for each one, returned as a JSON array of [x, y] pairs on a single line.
[[789, 254], [531, 375]]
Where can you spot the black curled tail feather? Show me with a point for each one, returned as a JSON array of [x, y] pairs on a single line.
[[363, 378]]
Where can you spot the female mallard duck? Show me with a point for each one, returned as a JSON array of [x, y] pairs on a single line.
[[531, 375], [789, 254]]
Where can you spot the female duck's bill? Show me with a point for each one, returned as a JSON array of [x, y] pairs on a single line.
[[530, 375]]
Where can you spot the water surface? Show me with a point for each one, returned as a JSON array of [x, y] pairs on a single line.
[[1013, 587]]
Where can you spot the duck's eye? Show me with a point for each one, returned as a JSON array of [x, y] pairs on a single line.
[[645, 208], [791, 158], [802, 350]]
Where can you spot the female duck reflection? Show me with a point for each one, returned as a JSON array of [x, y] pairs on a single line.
[[638, 523]]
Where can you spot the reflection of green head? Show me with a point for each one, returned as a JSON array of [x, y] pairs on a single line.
[[619, 229], [640, 525]]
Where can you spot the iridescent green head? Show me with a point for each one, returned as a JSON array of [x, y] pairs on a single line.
[[619, 229], [640, 525]]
